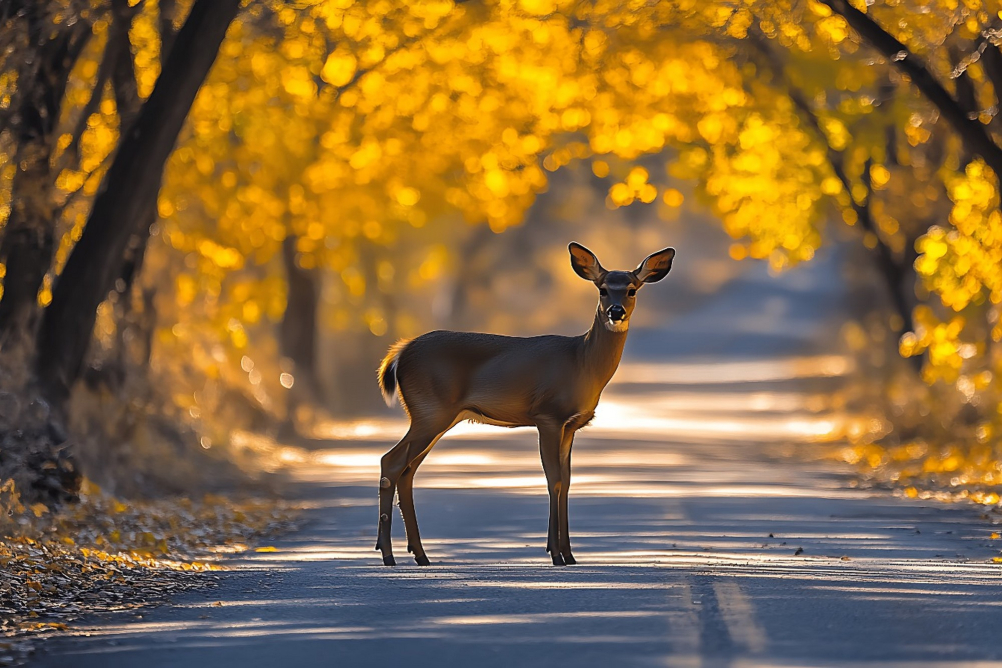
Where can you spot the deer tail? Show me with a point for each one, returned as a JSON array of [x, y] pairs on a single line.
[[386, 375]]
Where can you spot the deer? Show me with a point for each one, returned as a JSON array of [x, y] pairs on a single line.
[[552, 383]]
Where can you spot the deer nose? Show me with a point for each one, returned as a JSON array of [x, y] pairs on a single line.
[[616, 313]]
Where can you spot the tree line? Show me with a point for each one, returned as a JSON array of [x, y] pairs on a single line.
[[178, 175]]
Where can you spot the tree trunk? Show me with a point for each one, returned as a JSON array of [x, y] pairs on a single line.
[[130, 186], [28, 241], [298, 333]]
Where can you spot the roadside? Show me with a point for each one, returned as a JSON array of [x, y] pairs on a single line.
[[103, 555]]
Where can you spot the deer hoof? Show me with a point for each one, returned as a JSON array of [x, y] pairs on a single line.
[[388, 560], [422, 560], [384, 482], [558, 559], [570, 560]]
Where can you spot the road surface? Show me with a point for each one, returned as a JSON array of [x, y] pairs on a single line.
[[705, 537]]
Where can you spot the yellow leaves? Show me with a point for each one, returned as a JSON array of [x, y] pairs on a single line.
[[819, 8], [595, 42], [376, 322], [497, 182], [673, 197], [409, 196], [145, 37], [916, 134], [299, 83], [222, 257], [537, 7], [961, 264], [339, 68], [711, 128], [186, 288], [836, 132], [634, 188], [879, 176], [941, 340], [70, 180], [834, 29], [831, 186]]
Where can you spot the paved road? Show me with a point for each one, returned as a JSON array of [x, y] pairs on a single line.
[[701, 542]]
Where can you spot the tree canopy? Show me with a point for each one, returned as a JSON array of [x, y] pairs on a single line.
[[327, 132]]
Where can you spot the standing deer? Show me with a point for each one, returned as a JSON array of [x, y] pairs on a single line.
[[550, 382]]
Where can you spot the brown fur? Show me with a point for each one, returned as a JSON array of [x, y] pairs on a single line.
[[551, 382]]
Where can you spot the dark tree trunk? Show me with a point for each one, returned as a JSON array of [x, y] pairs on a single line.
[[168, 10], [298, 331], [130, 186], [137, 327], [28, 240]]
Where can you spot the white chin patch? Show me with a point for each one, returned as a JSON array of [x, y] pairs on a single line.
[[620, 326]]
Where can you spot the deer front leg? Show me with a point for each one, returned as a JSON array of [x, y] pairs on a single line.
[[565, 487], [550, 436]]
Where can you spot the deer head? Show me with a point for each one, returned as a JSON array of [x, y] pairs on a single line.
[[617, 290]]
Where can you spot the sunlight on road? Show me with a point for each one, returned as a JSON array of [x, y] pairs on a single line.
[[646, 406]]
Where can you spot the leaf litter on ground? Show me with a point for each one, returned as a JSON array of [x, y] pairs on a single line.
[[104, 554]]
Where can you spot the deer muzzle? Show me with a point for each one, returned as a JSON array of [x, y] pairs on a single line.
[[616, 313]]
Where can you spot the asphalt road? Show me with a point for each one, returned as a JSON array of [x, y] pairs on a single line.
[[705, 537]]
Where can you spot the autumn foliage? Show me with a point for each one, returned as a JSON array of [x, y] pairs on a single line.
[[336, 152]]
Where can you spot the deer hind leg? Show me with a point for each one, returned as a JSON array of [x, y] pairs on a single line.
[[565, 487], [419, 438], [405, 493], [550, 437]]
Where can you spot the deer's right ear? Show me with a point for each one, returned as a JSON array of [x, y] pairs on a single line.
[[585, 264]]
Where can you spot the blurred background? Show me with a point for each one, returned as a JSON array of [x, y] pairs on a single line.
[[217, 215]]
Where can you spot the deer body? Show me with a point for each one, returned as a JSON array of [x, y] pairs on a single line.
[[551, 382]]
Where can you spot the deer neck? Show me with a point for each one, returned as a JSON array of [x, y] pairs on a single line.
[[602, 349]]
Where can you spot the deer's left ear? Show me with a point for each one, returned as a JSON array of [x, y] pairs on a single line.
[[655, 266]]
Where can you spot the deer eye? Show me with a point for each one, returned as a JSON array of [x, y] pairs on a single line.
[[603, 292], [632, 292]]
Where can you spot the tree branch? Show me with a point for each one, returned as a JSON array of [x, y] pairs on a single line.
[[892, 271], [972, 132]]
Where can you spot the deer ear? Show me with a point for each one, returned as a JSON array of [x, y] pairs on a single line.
[[655, 266], [584, 262]]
